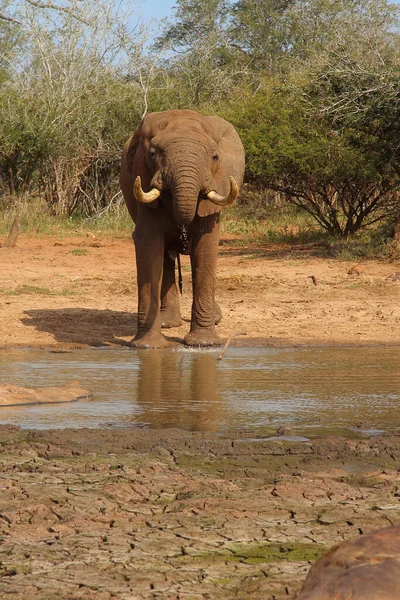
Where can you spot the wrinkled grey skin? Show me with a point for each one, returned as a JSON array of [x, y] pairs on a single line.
[[184, 156]]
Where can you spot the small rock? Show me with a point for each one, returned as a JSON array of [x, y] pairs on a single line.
[[393, 277], [284, 430], [365, 568], [356, 270], [12, 395]]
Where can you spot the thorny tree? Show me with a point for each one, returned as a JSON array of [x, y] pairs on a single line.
[[65, 107]]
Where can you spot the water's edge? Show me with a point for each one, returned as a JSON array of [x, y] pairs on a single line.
[[296, 392]]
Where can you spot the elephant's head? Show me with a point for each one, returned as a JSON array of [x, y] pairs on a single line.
[[190, 163]]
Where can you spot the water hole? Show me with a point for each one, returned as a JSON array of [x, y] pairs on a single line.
[[261, 392]]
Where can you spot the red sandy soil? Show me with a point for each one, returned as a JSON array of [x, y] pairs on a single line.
[[82, 291]]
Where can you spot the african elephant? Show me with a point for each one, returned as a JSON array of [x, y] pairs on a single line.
[[178, 170]]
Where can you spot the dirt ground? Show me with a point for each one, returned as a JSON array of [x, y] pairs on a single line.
[[82, 291], [136, 514]]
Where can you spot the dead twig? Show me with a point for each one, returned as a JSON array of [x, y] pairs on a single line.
[[4, 17], [11, 240], [51, 6], [228, 341]]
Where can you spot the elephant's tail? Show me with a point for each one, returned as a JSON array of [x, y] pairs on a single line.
[[180, 281]]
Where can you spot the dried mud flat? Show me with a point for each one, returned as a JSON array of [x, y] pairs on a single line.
[[141, 514]]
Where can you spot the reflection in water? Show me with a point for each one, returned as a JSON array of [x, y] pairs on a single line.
[[173, 395], [314, 390]]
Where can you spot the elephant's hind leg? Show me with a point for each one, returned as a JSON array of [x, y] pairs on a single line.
[[170, 308], [218, 313]]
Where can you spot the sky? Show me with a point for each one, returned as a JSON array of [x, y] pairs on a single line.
[[158, 9], [154, 9]]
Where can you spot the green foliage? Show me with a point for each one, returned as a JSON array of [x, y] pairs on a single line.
[[195, 22], [79, 252], [66, 110], [330, 171], [312, 88], [282, 139], [203, 65]]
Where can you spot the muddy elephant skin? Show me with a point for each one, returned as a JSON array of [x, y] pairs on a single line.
[[178, 170]]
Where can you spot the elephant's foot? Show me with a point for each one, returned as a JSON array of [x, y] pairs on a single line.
[[170, 317], [202, 337], [149, 340], [218, 313]]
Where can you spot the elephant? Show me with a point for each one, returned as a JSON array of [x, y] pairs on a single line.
[[178, 170]]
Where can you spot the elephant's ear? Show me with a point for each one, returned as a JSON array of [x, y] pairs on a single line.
[[126, 177], [231, 161], [133, 164], [206, 208]]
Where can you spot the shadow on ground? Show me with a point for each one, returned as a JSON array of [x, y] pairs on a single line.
[[86, 326], [272, 251], [83, 325]]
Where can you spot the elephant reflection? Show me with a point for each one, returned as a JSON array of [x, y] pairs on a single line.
[[172, 393]]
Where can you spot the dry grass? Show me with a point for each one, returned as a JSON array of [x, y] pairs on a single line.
[[246, 223]]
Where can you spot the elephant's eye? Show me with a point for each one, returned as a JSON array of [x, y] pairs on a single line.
[[215, 157], [152, 152]]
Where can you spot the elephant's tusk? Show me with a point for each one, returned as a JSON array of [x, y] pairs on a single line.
[[225, 200], [144, 197]]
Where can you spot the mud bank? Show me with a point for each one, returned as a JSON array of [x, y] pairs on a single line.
[[167, 514]]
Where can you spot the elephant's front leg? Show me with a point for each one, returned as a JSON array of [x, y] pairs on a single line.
[[204, 249], [170, 308], [149, 247]]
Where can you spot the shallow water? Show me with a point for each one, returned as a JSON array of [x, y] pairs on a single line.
[[257, 391]]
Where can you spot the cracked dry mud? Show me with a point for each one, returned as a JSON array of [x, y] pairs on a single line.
[[162, 515]]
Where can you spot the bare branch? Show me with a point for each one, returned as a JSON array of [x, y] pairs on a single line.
[[4, 17], [49, 5]]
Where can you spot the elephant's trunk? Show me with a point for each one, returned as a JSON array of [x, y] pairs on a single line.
[[185, 185], [185, 203]]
